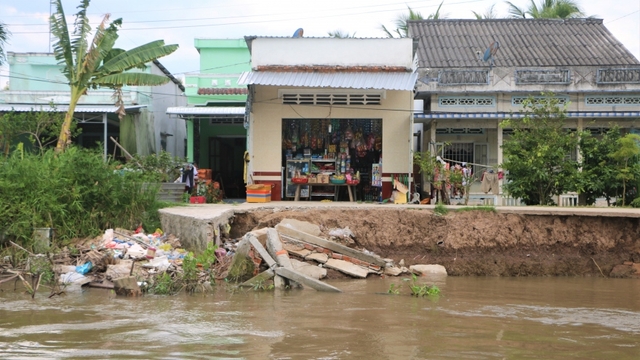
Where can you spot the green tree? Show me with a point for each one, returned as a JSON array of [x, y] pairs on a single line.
[[402, 29], [41, 128], [536, 153], [598, 175], [89, 65], [547, 9], [625, 155], [4, 37]]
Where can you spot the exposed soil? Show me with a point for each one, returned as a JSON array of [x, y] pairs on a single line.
[[478, 242]]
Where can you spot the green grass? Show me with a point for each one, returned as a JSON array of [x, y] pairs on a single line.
[[478, 208], [440, 209]]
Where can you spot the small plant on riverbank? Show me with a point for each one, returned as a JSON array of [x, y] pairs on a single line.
[[261, 285], [190, 273], [440, 209], [164, 285], [421, 290]]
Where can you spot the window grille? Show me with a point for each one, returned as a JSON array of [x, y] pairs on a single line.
[[466, 101], [463, 77], [331, 99], [618, 76], [558, 76], [612, 100], [538, 100]]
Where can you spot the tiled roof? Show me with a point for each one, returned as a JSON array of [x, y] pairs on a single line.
[[223, 91], [523, 43]]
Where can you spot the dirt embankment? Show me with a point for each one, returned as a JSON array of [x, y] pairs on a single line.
[[479, 242]]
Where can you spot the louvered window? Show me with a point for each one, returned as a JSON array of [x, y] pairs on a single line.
[[331, 99], [538, 100]]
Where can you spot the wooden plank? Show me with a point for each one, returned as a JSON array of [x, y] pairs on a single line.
[[341, 249], [261, 250], [305, 280], [263, 276]]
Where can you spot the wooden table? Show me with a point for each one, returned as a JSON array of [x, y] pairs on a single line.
[[349, 189]]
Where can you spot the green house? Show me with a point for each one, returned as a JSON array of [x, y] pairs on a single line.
[[215, 115]]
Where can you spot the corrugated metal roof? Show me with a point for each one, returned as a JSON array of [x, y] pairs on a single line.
[[206, 110], [378, 80], [64, 108], [501, 115], [453, 43]]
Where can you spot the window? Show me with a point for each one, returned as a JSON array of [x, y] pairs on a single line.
[[466, 101]]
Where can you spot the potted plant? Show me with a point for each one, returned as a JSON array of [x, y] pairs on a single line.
[[201, 191]]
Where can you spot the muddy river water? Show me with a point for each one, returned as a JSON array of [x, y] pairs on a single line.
[[474, 318]]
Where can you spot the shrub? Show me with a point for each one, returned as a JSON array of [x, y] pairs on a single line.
[[75, 192]]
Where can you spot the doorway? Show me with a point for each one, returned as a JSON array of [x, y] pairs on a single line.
[[227, 164]]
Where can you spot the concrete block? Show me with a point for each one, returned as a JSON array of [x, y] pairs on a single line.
[[428, 269], [302, 226], [318, 257], [347, 268]]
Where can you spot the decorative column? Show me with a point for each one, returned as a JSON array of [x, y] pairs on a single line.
[[500, 159]]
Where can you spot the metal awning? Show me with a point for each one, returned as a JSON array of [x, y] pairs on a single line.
[[64, 108], [570, 114], [347, 80], [206, 110]]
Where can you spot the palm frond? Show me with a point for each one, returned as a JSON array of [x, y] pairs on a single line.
[[62, 46], [516, 12], [79, 44], [131, 79], [136, 56], [101, 47], [4, 36]]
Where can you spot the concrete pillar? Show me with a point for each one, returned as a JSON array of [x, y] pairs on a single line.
[[432, 136], [190, 140]]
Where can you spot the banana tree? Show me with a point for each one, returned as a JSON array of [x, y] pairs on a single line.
[[90, 65]]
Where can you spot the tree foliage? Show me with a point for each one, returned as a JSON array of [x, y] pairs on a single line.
[[537, 153], [4, 37], [39, 127], [547, 9], [627, 169], [598, 176], [92, 64]]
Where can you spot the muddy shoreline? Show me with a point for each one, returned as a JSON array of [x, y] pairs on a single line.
[[478, 243]]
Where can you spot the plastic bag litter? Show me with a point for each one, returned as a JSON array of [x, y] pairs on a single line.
[[346, 232], [136, 251], [160, 263], [107, 237], [83, 269], [72, 277]]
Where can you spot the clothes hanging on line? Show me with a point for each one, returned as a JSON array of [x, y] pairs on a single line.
[[490, 183]]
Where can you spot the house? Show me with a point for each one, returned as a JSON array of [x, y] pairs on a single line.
[[215, 112], [330, 105], [37, 83], [475, 73]]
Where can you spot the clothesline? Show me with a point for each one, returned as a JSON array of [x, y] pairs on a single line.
[[465, 162]]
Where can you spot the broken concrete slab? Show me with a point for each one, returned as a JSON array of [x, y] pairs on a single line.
[[312, 271], [297, 251], [317, 257], [261, 235], [335, 247], [347, 268], [392, 271], [428, 269], [297, 277], [260, 278], [303, 226], [276, 250], [127, 286], [264, 254]]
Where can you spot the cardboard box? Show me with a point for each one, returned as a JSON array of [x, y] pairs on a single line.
[[323, 179]]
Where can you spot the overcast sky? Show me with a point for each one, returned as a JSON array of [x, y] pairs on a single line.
[[182, 21]]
